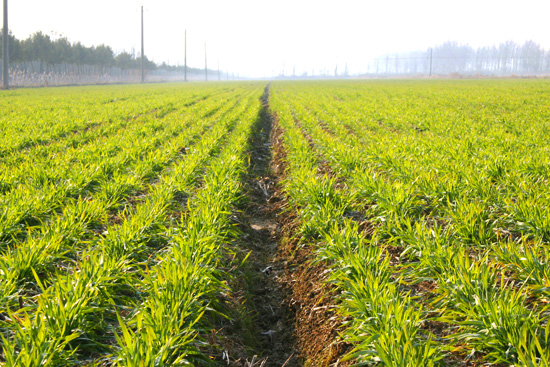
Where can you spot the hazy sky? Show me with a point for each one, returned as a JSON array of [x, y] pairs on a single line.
[[259, 38]]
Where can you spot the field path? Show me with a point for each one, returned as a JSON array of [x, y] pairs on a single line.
[[267, 338]]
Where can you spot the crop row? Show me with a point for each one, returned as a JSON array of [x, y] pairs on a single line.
[[60, 233], [44, 117], [93, 280], [425, 201], [37, 184], [436, 232]]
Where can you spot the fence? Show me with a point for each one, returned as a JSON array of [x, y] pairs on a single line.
[[426, 64], [37, 74]]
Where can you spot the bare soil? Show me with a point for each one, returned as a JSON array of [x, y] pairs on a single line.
[[310, 299], [261, 332], [280, 308]]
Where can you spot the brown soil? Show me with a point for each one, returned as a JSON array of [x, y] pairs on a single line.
[[282, 312], [350, 130], [311, 300], [317, 322], [261, 333]]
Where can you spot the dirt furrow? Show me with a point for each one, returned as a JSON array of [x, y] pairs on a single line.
[[281, 312], [259, 332]]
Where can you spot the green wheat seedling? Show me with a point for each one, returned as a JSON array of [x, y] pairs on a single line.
[[102, 282], [185, 280], [459, 189]]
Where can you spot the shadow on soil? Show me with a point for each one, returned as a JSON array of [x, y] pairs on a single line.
[[262, 327]]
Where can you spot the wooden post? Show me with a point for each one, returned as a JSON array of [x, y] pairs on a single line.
[[5, 48], [431, 58], [185, 56], [142, 50]]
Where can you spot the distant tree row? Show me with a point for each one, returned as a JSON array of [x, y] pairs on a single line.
[[41, 47], [452, 57], [180, 69]]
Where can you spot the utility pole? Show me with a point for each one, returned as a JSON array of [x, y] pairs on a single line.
[[185, 56], [431, 58], [205, 65], [219, 75], [5, 53], [142, 50]]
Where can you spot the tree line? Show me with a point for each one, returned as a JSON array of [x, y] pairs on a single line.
[[43, 48], [451, 57], [40, 47]]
